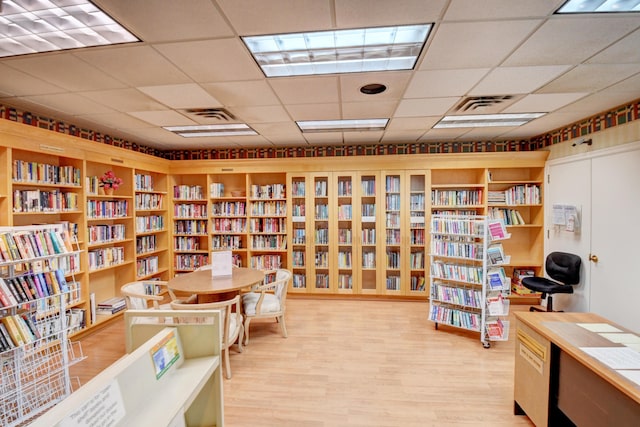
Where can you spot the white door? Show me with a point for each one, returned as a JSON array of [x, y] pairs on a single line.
[[615, 238], [606, 186], [569, 184]]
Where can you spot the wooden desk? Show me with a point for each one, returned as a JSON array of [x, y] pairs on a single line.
[[556, 383], [209, 288]]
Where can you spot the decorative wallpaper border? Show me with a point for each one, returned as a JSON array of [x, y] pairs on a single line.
[[618, 116]]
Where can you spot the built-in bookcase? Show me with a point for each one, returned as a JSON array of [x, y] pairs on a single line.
[[369, 230], [346, 273], [111, 237], [151, 225], [229, 226], [191, 226], [300, 233]]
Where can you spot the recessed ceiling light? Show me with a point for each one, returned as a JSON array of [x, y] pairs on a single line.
[[373, 89], [33, 26], [309, 126], [486, 120], [198, 131], [339, 51], [600, 6]]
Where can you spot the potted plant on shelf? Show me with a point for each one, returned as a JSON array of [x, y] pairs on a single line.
[[109, 182]]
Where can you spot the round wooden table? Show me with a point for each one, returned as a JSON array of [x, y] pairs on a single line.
[[209, 288]]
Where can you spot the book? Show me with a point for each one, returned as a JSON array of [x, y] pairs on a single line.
[[496, 278], [17, 291], [497, 230], [12, 329], [495, 329], [8, 298], [11, 244], [6, 336], [62, 280], [27, 288], [495, 254], [33, 286], [4, 249]]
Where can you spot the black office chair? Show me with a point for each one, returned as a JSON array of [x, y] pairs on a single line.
[[564, 269]]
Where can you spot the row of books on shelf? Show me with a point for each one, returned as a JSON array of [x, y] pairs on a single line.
[[453, 317], [24, 328], [516, 282], [30, 287], [470, 297], [26, 171], [24, 245], [111, 305], [25, 201]]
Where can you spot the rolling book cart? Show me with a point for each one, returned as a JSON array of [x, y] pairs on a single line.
[[468, 285]]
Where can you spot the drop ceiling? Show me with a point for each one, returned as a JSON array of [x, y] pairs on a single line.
[[516, 53]]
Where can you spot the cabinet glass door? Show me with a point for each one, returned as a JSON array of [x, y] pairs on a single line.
[[367, 207], [393, 231], [345, 233], [417, 214], [299, 237], [321, 230]]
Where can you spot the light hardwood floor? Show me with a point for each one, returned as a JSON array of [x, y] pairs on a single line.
[[354, 363]]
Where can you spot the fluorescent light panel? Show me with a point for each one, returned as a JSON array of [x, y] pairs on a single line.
[[200, 131], [339, 51], [310, 126], [600, 6], [486, 120], [33, 26]]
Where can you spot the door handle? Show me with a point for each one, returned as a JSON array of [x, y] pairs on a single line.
[[593, 258]]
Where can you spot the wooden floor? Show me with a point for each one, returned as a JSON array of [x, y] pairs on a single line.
[[354, 363]]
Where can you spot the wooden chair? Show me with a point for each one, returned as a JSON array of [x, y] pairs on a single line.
[[138, 297], [267, 300], [232, 327]]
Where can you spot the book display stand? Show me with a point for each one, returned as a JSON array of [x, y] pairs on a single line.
[[36, 316], [469, 287]]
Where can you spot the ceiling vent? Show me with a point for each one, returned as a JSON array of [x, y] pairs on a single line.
[[483, 104], [220, 114]]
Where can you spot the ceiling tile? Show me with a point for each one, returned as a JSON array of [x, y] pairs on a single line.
[[261, 114], [425, 106], [163, 118], [517, 80], [117, 120], [211, 61], [314, 111], [440, 83], [64, 70], [69, 103], [591, 77], [542, 103], [544, 46], [300, 90], [396, 83], [255, 92], [188, 95], [278, 128], [123, 100], [464, 10], [475, 44], [284, 16], [18, 83], [368, 110], [401, 136], [323, 138], [624, 51], [362, 137], [412, 123], [161, 20], [443, 135], [367, 13], [134, 65]]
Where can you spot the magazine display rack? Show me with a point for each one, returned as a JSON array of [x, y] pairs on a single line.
[[468, 285], [36, 316]]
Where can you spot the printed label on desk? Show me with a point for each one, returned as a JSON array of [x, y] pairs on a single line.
[[530, 357], [106, 409]]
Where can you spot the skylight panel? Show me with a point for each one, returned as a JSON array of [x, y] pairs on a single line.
[[309, 126], [199, 131], [339, 51], [34, 26], [600, 6], [486, 120]]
